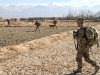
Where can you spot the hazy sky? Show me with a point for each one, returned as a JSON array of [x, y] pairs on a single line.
[[29, 1], [60, 2], [73, 3]]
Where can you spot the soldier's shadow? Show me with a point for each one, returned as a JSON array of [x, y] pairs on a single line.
[[70, 74], [29, 31]]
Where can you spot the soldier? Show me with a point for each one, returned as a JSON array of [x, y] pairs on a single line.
[[83, 50], [80, 21], [54, 22], [37, 25], [8, 21], [15, 20]]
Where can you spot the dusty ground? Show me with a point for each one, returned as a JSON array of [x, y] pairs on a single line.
[[52, 55], [55, 56], [17, 35], [47, 23]]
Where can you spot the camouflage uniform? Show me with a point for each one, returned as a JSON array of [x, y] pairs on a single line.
[[80, 21], [55, 22], [37, 25], [83, 51], [8, 22]]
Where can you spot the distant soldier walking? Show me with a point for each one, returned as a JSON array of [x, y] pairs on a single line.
[[54, 22], [37, 25], [8, 21], [15, 20], [84, 43]]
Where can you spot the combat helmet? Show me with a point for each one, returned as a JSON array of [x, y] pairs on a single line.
[[80, 21]]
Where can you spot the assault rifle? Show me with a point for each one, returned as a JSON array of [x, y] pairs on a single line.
[[74, 36]]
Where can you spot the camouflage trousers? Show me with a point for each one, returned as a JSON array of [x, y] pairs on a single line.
[[84, 52]]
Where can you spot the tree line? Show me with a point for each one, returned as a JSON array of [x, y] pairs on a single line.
[[87, 14]]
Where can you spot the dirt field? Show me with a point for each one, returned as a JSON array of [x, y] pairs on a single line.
[[20, 32], [17, 35], [47, 23], [51, 54]]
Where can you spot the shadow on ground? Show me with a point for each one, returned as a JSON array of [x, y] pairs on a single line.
[[70, 74], [77, 74]]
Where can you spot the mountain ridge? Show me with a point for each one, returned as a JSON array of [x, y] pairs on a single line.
[[42, 10]]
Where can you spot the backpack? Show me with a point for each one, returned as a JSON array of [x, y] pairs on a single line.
[[38, 24], [92, 35], [87, 36], [54, 22]]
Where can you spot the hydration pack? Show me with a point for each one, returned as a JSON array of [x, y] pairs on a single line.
[[88, 36]]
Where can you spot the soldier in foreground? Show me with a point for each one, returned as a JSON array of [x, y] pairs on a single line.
[[85, 40]]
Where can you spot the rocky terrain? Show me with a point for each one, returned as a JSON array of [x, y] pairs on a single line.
[[51, 55]]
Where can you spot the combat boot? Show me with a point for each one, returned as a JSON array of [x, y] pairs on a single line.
[[96, 70], [78, 71]]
